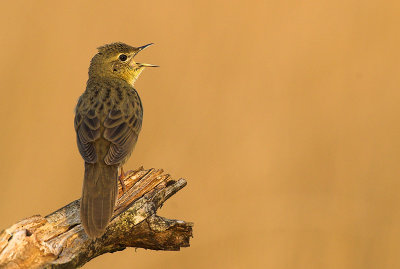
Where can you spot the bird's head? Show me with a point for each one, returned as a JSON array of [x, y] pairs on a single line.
[[115, 60]]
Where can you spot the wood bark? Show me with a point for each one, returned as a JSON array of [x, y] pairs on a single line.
[[59, 241]]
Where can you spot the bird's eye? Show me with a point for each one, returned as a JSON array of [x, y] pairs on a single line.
[[123, 57]]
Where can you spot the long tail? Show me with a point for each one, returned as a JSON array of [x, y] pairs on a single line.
[[99, 194]]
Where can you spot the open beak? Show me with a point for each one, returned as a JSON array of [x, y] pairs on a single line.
[[147, 65], [139, 49], [145, 46]]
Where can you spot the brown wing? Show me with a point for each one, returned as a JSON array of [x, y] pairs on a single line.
[[87, 127], [121, 127]]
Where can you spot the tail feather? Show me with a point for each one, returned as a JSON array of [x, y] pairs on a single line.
[[100, 190]]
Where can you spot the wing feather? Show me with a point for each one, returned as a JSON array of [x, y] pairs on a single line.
[[121, 132], [87, 127], [120, 126]]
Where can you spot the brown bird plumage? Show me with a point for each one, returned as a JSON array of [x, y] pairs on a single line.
[[108, 120]]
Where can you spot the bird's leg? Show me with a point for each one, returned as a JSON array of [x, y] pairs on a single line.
[[121, 180]]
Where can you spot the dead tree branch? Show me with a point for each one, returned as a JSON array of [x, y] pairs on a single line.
[[59, 241]]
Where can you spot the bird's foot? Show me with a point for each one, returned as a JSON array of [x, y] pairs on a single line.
[[121, 178]]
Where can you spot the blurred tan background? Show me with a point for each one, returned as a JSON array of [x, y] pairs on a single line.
[[282, 115]]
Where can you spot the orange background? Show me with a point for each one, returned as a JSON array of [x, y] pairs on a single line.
[[282, 115]]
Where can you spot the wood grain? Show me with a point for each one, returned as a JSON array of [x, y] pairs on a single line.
[[59, 241]]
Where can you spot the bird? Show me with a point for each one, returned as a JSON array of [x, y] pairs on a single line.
[[108, 120]]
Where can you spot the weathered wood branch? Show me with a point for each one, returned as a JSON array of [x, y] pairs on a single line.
[[59, 241]]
